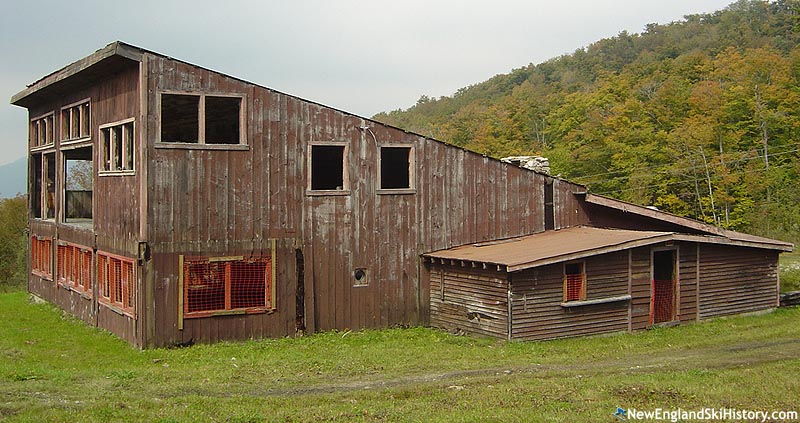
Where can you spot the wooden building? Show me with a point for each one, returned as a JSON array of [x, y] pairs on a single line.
[[170, 204], [585, 280]]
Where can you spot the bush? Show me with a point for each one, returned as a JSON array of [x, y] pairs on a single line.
[[13, 243]]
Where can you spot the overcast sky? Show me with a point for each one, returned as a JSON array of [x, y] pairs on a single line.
[[359, 56]]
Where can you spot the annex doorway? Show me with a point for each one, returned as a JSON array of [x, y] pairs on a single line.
[[664, 292]]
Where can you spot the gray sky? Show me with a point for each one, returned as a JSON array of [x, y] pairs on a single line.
[[360, 56]]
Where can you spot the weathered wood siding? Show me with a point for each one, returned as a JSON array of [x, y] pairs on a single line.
[[471, 300], [687, 310], [641, 287], [210, 202], [115, 200], [538, 293], [737, 280]]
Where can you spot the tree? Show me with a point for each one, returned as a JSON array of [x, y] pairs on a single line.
[[13, 242]]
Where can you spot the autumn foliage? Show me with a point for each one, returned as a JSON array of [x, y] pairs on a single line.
[[699, 117]]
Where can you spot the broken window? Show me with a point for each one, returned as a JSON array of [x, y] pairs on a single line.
[[328, 167], [396, 167], [116, 279], [35, 183], [180, 118], [222, 120], [78, 182], [219, 285], [75, 121], [201, 119], [574, 281], [117, 148], [41, 131], [43, 186]]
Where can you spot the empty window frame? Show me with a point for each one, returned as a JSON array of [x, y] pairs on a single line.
[[42, 256], [226, 285], [396, 168], [116, 280], [74, 267], [328, 165], [117, 148], [78, 183], [42, 185], [202, 119], [76, 122], [42, 131], [574, 281]]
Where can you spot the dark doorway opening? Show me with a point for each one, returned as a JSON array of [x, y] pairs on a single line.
[[662, 302]]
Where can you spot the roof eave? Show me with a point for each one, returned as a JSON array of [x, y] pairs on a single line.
[[114, 49]]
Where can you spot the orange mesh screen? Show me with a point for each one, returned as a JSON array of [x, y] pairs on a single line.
[[41, 256], [211, 286], [117, 280], [74, 267], [574, 287], [663, 301]]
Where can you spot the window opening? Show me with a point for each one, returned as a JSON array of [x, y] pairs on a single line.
[[574, 282], [49, 186], [75, 267], [549, 209], [117, 148], [78, 184], [116, 280], [42, 131], [395, 168], [180, 118], [222, 120], [36, 186], [220, 285], [75, 122], [327, 167], [41, 256], [201, 119]]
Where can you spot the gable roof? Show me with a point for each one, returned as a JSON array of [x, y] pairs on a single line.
[[574, 243]]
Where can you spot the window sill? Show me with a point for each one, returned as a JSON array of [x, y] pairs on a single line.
[[236, 312], [86, 295], [195, 146], [45, 147], [405, 191], [116, 173], [595, 302], [117, 309], [318, 193], [42, 275], [76, 143]]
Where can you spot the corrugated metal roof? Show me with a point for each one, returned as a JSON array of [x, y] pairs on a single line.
[[550, 247], [579, 242]]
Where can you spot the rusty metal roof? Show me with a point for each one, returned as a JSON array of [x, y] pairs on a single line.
[[574, 243]]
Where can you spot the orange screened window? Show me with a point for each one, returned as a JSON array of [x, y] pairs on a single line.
[[226, 284]]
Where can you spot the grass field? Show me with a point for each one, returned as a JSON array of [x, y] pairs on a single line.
[[54, 368]]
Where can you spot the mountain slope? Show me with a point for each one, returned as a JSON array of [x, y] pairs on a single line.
[[12, 178], [699, 117]]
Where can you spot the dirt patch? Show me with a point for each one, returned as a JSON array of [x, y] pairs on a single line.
[[701, 359]]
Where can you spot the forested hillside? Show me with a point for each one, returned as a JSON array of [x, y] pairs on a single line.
[[699, 117]]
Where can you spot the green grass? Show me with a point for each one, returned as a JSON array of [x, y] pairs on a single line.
[[54, 368], [789, 268]]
